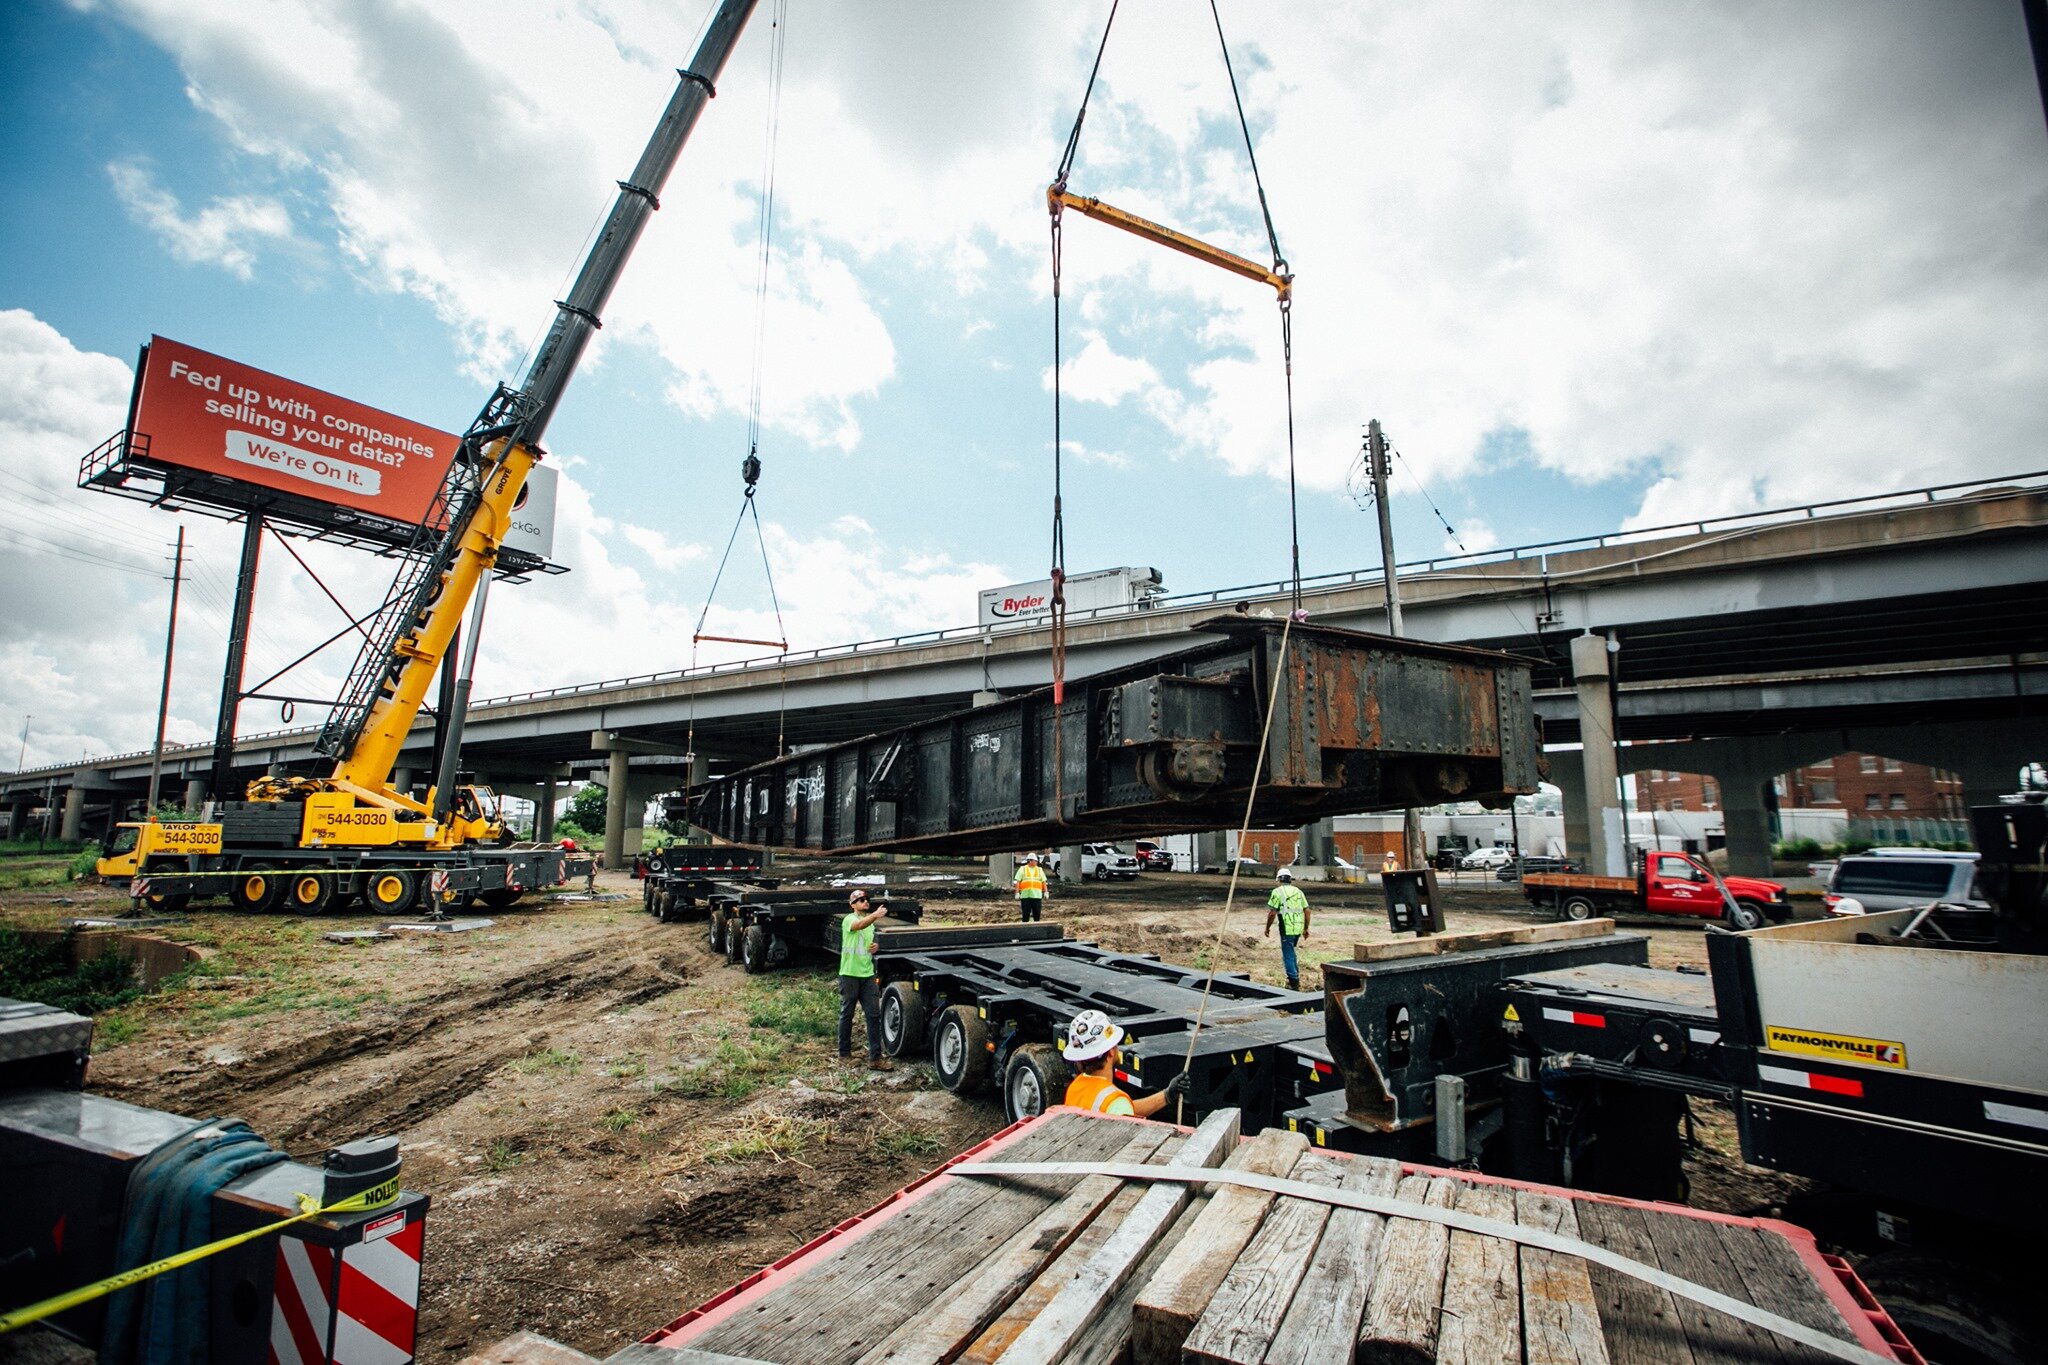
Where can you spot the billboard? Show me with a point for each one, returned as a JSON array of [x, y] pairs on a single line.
[[218, 416]]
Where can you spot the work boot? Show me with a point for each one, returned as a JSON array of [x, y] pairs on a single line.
[[1293, 983], [880, 1064]]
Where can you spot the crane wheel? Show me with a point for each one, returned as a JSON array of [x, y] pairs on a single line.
[[256, 890], [309, 893], [390, 892]]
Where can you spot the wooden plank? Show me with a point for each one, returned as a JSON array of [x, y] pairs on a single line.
[[1107, 1341], [1401, 1309], [1640, 1322], [1687, 1247], [996, 1339], [1774, 1277], [872, 1284], [1560, 1315], [1087, 1295], [1435, 944], [1174, 1296], [1245, 1316], [966, 1310], [1482, 1305], [1339, 1273]]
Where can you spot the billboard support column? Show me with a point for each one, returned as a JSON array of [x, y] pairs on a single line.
[[238, 648]]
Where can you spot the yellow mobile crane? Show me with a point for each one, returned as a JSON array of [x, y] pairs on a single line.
[[305, 843]]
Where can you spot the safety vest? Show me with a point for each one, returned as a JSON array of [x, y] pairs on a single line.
[[1099, 1095], [856, 949], [1031, 882], [1293, 908]]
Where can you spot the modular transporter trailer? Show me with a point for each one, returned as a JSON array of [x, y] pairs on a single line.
[[1360, 722]]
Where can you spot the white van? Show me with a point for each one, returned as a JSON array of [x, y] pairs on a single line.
[[1902, 878]]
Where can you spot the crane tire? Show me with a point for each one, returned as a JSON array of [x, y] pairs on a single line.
[[391, 891]]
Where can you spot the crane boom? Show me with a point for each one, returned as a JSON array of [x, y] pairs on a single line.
[[457, 543]]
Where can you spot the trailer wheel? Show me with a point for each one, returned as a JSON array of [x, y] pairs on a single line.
[[391, 891], [902, 1020], [256, 889], [735, 940], [647, 895], [716, 934], [1036, 1079], [1955, 1312], [960, 1049], [309, 893], [1744, 915], [754, 949], [1578, 908]]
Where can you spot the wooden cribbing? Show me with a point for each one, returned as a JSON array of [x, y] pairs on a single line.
[[1484, 938], [1241, 1322], [1175, 1295], [1407, 1287], [1641, 1320], [965, 1310], [1088, 1294], [1482, 1304], [1560, 1316], [1333, 1288]]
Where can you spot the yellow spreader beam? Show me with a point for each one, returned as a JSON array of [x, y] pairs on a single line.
[[1057, 199]]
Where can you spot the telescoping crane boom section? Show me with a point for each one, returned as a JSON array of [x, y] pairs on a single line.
[[458, 542]]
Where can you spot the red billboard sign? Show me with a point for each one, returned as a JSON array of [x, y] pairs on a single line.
[[206, 412]]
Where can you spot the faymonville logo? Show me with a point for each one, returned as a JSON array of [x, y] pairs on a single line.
[[1836, 1046], [1011, 606]]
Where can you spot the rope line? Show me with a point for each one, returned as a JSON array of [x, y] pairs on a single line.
[[1236, 862]]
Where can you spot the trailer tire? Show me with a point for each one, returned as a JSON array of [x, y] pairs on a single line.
[[715, 935], [755, 947], [308, 892], [1744, 915], [1956, 1312], [1036, 1078], [960, 1049], [391, 891], [902, 1019], [735, 940], [1578, 908], [256, 889]]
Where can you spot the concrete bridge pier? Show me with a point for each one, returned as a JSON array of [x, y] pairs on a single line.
[[544, 812], [1592, 674], [72, 828], [17, 816], [1315, 844], [195, 793]]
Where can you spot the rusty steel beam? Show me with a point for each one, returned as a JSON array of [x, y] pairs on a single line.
[[1362, 722]]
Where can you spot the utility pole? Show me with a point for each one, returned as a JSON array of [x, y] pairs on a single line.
[[163, 705], [1376, 459], [22, 757]]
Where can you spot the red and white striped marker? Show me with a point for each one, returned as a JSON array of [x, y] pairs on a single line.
[[1579, 1017], [1812, 1080], [358, 1308]]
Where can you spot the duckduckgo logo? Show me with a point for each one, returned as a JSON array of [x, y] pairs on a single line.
[[1017, 606]]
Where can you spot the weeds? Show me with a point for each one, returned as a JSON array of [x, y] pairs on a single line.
[[771, 1135], [796, 1006], [551, 1059], [906, 1142], [631, 1067], [44, 972], [619, 1120], [502, 1156], [735, 1070]]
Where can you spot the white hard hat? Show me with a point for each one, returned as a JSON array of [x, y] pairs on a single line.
[[1285, 875], [1091, 1035], [1031, 857]]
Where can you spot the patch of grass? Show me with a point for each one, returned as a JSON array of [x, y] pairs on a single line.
[[26, 872], [907, 1142], [81, 865], [619, 1120], [735, 1069], [502, 1156], [35, 848], [630, 1067], [30, 970], [797, 1006], [552, 1059], [766, 1134], [114, 1029]]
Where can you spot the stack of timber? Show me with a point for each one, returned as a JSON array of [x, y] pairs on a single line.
[[1098, 1268]]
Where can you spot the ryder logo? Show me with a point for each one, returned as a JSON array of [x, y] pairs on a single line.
[[1016, 606]]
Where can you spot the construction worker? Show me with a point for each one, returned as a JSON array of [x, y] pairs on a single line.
[[1030, 890], [1092, 1047], [857, 979], [1290, 907]]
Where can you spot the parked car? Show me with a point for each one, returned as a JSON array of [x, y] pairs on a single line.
[[1151, 857], [1101, 862], [1900, 878], [1246, 867], [1513, 870], [1485, 860]]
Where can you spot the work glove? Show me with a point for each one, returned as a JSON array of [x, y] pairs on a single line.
[[1178, 1086]]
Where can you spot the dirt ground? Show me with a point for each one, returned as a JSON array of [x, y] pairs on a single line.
[[614, 1124]]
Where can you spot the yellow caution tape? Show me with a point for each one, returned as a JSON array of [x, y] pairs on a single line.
[[309, 1207]]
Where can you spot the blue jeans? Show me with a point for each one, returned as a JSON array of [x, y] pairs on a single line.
[[1287, 942]]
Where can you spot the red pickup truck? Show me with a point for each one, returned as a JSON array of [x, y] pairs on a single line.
[[1664, 884]]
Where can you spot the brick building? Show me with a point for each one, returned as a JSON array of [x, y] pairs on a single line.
[[1660, 789], [1872, 785]]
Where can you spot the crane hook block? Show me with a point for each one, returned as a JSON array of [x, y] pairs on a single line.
[[750, 470]]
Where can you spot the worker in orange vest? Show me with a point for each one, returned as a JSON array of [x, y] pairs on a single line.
[[1031, 890], [1092, 1047]]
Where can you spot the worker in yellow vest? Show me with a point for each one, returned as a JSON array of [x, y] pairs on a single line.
[[1030, 890], [1290, 908], [1092, 1046]]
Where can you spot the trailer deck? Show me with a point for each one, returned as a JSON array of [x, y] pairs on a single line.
[[1100, 1268]]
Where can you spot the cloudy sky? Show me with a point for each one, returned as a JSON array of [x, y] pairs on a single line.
[[1593, 265]]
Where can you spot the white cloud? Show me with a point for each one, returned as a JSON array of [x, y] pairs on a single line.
[[1097, 374], [224, 233]]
